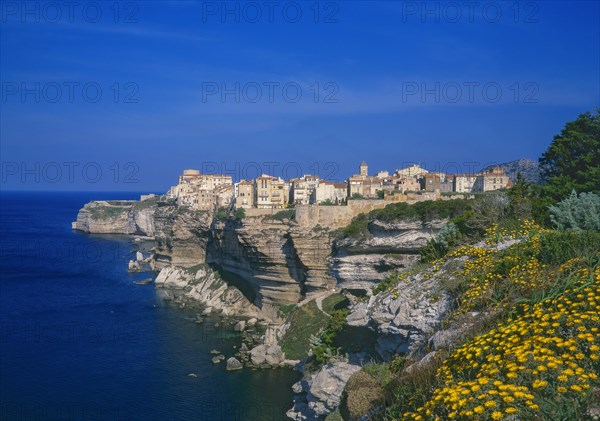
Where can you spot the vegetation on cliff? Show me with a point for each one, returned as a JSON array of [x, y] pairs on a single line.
[[539, 360], [303, 321], [529, 267], [425, 211]]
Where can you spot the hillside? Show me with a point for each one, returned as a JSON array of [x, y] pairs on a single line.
[[527, 167]]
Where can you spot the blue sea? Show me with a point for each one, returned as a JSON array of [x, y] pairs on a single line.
[[80, 341]]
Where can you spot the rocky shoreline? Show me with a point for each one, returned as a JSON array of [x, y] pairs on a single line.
[[247, 272]]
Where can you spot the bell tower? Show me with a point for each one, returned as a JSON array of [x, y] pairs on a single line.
[[364, 169]]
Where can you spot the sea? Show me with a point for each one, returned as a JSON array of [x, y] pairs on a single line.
[[79, 340]]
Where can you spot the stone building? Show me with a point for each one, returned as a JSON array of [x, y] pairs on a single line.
[[198, 191], [493, 179], [302, 188], [437, 181], [466, 183], [330, 190], [412, 171], [223, 196], [270, 192], [244, 194], [363, 184]]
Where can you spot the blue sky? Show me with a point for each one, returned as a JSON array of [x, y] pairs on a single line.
[[188, 84]]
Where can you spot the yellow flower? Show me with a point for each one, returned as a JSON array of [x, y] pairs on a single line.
[[497, 415]]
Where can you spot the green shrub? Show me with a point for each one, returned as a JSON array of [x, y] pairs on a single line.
[[363, 392], [388, 283], [240, 214], [322, 346], [449, 236], [425, 211], [379, 371], [577, 212], [284, 214], [222, 214], [358, 227]]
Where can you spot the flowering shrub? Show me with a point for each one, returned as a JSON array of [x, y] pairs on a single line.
[[540, 360], [542, 363]]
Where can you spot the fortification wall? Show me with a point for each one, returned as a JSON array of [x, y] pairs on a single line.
[[340, 216]]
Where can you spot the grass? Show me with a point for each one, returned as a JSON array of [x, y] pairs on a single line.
[[380, 372], [304, 321], [285, 309], [334, 302], [153, 201], [108, 212]]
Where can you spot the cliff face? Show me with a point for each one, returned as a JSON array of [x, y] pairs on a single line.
[[203, 285], [273, 261], [116, 217], [181, 236], [361, 263], [280, 261]]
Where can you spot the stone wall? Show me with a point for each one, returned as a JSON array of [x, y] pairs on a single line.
[[340, 216]]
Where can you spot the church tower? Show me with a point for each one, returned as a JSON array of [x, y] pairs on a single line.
[[364, 169]]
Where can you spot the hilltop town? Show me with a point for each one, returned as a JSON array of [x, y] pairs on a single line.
[[213, 191]]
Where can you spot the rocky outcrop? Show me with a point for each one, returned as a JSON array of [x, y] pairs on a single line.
[[390, 246], [273, 261], [104, 217], [320, 393], [530, 170], [267, 356], [233, 364], [117, 217], [405, 316], [203, 285], [181, 236]]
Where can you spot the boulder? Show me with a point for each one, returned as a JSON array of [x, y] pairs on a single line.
[[258, 354], [274, 356], [240, 326], [327, 386], [270, 355], [133, 266], [233, 364]]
